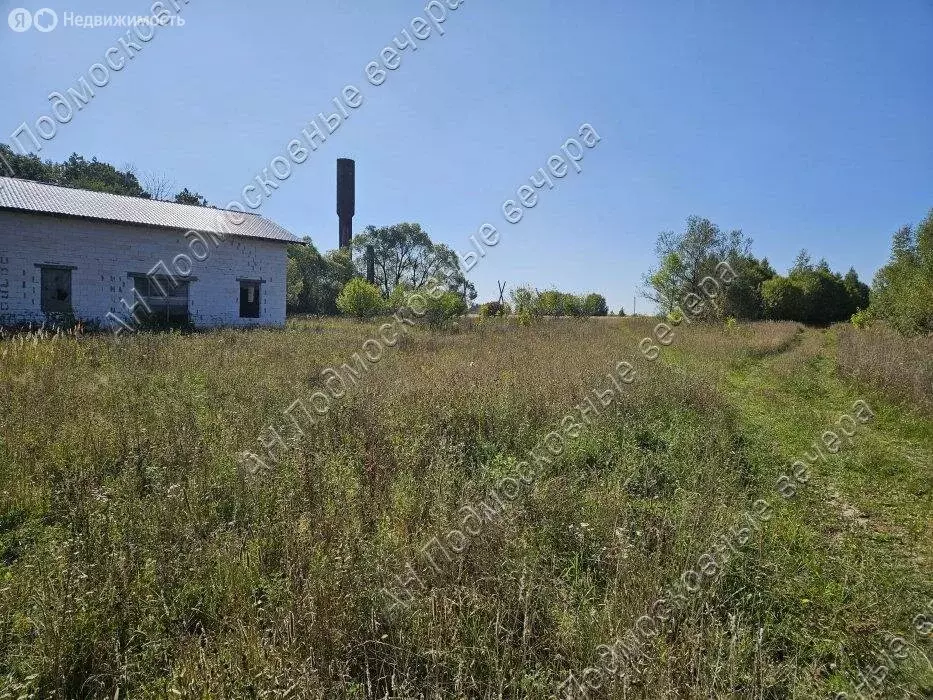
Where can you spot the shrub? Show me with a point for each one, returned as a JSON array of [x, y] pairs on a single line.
[[526, 318], [494, 308], [573, 305], [442, 308], [398, 298], [526, 301], [861, 319], [552, 302], [360, 299]]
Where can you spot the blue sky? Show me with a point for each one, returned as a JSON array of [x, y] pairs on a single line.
[[805, 124]]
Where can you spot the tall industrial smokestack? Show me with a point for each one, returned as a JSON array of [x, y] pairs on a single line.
[[370, 264], [346, 198]]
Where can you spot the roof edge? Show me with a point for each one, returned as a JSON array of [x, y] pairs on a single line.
[[115, 222], [129, 196]]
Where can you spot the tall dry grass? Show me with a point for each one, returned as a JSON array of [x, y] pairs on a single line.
[[899, 366], [138, 560]]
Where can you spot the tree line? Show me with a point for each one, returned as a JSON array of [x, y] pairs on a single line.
[[404, 260], [97, 176], [902, 292], [808, 293]]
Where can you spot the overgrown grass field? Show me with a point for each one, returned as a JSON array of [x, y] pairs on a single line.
[[138, 558]]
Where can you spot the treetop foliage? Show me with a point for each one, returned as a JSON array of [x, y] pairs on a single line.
[[903, 288], [814, 294], [193, 198], [405, 254], [81, 173]]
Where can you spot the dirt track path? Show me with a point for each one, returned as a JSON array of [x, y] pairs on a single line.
[[860, 532], [883, 481]]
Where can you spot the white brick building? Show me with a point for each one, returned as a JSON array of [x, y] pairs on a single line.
[[124, 261]]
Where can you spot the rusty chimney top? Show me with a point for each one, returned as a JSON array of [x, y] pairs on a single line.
[[346, 198]]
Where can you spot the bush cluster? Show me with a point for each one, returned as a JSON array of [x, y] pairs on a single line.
[[530, 302], [361, 299], [494, 308], [435, 306]]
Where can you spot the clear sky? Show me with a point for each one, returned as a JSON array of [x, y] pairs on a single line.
[[805, 124]]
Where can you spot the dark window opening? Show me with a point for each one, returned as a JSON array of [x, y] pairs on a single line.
[[249, 299], [56, 290], [161, 300]]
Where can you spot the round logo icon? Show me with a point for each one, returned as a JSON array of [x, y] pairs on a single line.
[[45, 19], [20, 20]]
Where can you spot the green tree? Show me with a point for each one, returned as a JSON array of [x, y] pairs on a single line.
[[188, 197], [595, 305], [572, 304], [902, 292], [825, 299], [858, 292], [75, 172], [405, 254], [801, 263], [28, 167], [813, 293], [667, 282], [525, 301], [294, 284], [783, 299], [100, 177], [685, 258], [551, 303], [742, 299], [360, 299], [313, 281], [494, 308]]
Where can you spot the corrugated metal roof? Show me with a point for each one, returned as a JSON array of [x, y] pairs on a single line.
[[26, 195]]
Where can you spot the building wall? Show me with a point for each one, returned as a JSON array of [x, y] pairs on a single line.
[[104, 253]]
